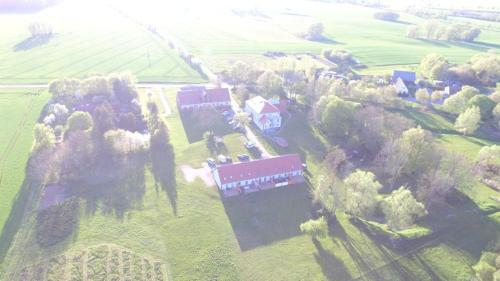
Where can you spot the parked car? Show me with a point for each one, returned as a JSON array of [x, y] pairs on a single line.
[[227, 113], [249, 144], [243, 157], [240, 129], [211, 162]]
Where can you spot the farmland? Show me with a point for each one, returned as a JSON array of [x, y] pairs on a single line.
[[20, 110], [221, 39], [107, 43]]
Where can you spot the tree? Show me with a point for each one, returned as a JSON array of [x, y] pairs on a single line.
[[40, 29], [457, 103], [315, 31], [488, 160], [315, 228], [495, 96], [412, 31], [79, 120], [387, 16], [209, 138], [437, 96], [496, 115], [450, 171], [362, 189], [485, 105], [401, 209], [104, 117], [335, 158], [242, 118], [487, 67], [323, 195], [124, 88], [419, 146], [270, 84], [470, 34], [122, 142], [435, 67], [337, 119], [44, 138], [422, 96], [468, 121]]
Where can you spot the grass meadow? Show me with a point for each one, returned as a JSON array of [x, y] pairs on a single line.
[[382, 46], [199, 236], [88, 39]]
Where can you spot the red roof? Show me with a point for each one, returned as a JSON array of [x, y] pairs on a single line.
[[190, 95], [218, 95], [259, 168], [260, 105]]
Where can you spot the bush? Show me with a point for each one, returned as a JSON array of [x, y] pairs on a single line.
[[56, 222], [415, 232], [387, 16]]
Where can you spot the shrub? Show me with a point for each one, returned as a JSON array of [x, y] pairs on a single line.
[[56, 222], [387, 16]]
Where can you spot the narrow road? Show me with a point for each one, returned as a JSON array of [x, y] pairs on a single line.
[[138, 85], [166, 106], [249, 134]]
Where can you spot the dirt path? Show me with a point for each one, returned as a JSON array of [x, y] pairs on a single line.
[[204, 173], [166, 107]]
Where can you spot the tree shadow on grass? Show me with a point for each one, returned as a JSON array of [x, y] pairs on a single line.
[[264, 217], [332, 267], [163, 168], [33, 42], [194, 129], [116, 186]]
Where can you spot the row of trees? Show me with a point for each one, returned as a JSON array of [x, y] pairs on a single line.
[[481, 69], [437, 30], [386, 15]]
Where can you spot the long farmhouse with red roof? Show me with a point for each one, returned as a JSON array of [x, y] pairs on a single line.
[[233, 179], [192, 97]]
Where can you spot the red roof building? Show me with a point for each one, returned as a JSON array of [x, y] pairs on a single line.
[[275, 170], [190, 97]]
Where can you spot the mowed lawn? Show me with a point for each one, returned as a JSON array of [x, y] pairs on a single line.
[[222, 35], [19, 110], [88, 39], [256, 237]]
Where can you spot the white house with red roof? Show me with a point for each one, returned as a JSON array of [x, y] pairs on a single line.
[[259, 174], [191, 97], [264, 114]]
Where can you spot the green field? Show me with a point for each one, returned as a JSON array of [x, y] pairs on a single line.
[[88, 39], [200, 236], [382, 46], [19, 110]]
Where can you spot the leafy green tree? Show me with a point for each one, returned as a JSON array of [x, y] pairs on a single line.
[[488, 160], [422, 96], [209, 138], [323, 194], [496, 115], [437, 96], [419, 147], [44, 138], [495, 96], [450, 171], [270, 84], [124, 142], [315, 31], [104, 117], [242, 118], [458, 102], [435, 67], [338, 117], [401, 209], [468, 121], [361, 193], [315, 228], [487, 67], [485, 105], [79, 121]]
